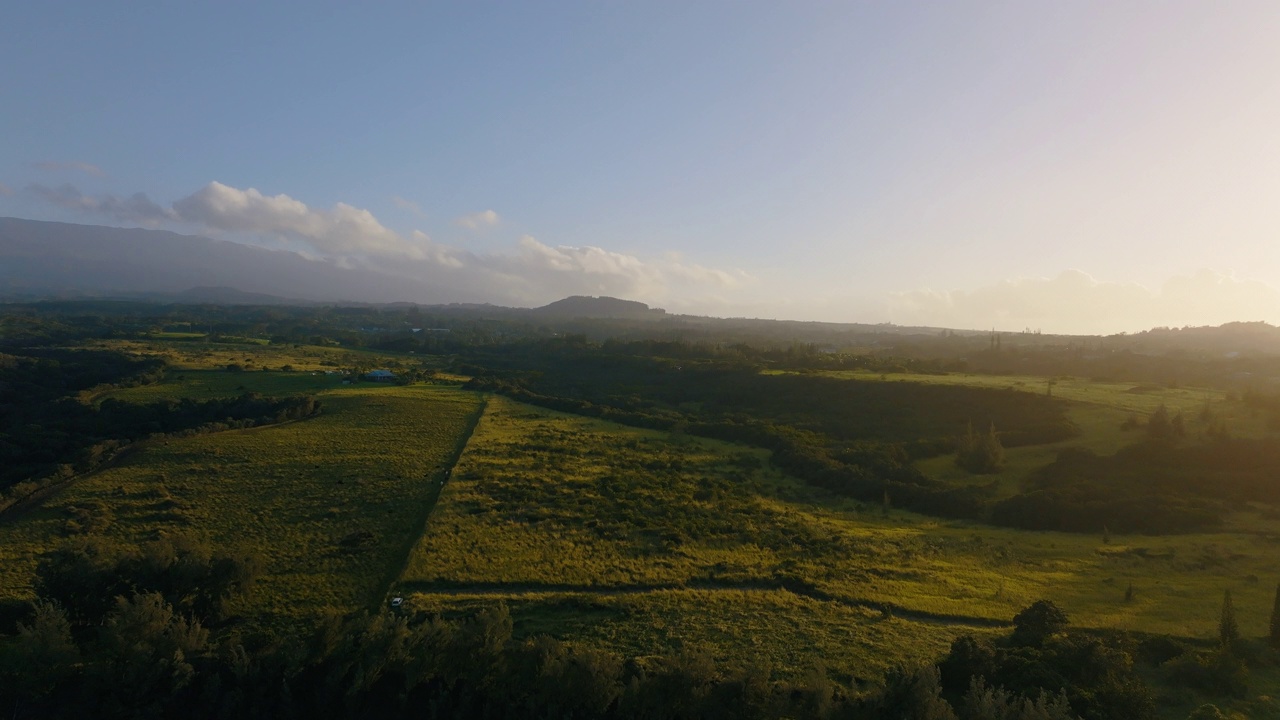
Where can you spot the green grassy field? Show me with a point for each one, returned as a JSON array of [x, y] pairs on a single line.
[[639, 541], [789, 633], [1099, 409], [595, 532], [365, 472], [542, 495], [255, 355], [206, 384], [198, 370], [1126, 396]]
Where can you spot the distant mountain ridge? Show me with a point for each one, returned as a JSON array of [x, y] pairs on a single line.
[[232, 296], [39, 258], [53, 260], [604, 307], [1240, 337]]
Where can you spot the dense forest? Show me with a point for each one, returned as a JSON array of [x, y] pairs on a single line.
[[130, 636]]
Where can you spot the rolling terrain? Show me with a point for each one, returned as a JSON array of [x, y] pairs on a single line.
[[645, 543], [328, 505]]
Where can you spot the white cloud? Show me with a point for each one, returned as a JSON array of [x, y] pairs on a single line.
[[476, 221], [589, 269], [441, 255], [536, 273], [343, 229], [531, 273], [409, 205], [137, 208], [594, 270], [1074, 302], [84, 167]]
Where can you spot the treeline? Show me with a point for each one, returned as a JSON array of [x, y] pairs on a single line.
[[39, 440], [1162, 484], [41, 422], [860, 438], [47, 433], [924, 417], [148, 662], [855, 438], [147, 658], [869, 470], [1158, 357], [126, 633], [1158, 486], [39, 375], [85, 575]]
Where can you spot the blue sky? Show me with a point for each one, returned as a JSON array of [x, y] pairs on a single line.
[[1085, 166]]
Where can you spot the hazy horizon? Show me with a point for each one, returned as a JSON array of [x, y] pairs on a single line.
[[1088, 168]]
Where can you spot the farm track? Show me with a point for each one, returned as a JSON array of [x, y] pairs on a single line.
[[801, 589], [379, 598]]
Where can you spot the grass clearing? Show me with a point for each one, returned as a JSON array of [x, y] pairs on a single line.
[[255, 355], [540, 494], [1099, 409], [791, 633], [330, 504], [543, 502], [1125, 396], [207, 384]]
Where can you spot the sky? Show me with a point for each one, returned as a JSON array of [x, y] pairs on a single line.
[[1072, 167]]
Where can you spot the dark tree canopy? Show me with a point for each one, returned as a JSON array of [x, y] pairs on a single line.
[[1033, 625]]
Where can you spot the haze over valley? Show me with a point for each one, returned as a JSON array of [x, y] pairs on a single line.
[[1077, 169], [644, 361]]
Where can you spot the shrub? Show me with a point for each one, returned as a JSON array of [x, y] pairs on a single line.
[[1039, 621], [980, 454]]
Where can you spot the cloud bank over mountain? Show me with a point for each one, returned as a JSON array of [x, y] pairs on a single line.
[[531, 272], [341, 230]]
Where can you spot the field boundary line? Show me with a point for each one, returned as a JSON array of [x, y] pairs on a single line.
[[443, 475], [888, 609]]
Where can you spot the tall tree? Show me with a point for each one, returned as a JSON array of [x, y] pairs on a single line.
[[1037, 622], [1159, 425], [980, 453], [1274, 635], [46, 651], [1228, 630]]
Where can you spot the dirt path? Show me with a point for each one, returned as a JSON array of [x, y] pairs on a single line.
[[438, 479], [802, 589]]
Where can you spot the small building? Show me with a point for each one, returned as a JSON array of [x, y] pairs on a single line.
[[380, 376]]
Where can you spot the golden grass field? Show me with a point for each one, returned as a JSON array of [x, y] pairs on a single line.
[[535, 515], [639, 541], [290, 493], [255, 355], [1099, 409]]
